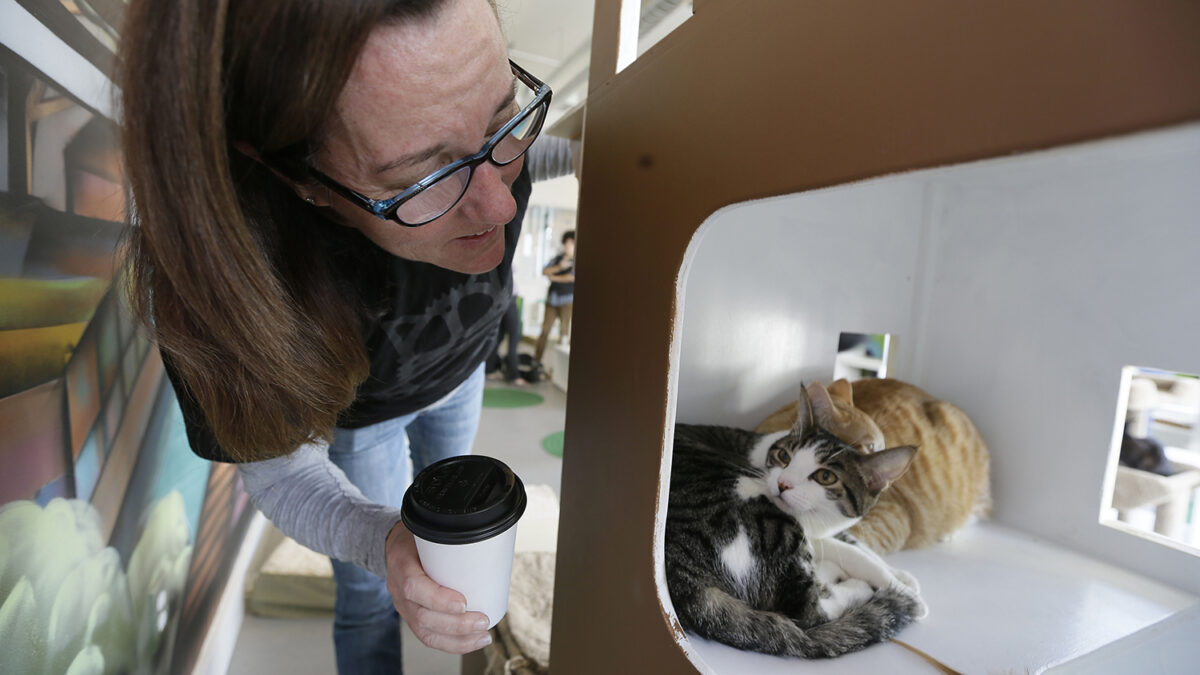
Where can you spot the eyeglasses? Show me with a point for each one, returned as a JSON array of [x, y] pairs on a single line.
[[437, 193]]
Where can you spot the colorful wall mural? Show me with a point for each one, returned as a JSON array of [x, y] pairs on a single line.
[[115, 541]]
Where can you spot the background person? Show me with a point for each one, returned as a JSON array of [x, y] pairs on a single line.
[[561, 295], [506, 363]]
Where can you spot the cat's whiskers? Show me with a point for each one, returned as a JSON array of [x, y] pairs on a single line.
[[948, 479], [819, 524]]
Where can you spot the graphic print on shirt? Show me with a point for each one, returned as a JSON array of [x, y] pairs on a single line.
[[428, 346]]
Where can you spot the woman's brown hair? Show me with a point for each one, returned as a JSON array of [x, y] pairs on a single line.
[[234, 275]]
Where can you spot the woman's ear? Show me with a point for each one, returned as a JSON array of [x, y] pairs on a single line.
[[305, 191]]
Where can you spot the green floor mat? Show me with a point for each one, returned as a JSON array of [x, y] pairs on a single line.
[[510, 398], [553, 443]]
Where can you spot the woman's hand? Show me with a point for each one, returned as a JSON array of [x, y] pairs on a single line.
[[437, 615]]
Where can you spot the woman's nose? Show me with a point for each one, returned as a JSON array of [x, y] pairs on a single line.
[[489, 197]]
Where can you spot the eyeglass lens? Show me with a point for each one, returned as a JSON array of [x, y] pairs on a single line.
[[444, 194], [519, 139], [435, 199]]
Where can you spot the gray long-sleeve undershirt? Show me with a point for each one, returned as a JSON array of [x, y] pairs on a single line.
[[310, 499]]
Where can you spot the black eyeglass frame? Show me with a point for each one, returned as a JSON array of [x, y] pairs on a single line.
[[387, 208]]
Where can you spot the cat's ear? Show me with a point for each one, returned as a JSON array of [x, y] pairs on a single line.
[[883, 468], [842, 390], [822, 405], [805, 422]]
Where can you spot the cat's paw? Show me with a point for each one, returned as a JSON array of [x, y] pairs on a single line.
[[830, 573], [856, 591], [920, 610], [907, 579], [843, 596]]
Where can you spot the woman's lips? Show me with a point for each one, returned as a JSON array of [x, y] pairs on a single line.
[[479, 235]]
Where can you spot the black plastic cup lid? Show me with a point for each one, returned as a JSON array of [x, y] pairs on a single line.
[[463, 500]]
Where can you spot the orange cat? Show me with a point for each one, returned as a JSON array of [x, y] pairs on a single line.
[[947, 481]]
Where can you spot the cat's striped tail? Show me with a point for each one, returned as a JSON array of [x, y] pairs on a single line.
[[729, 620]]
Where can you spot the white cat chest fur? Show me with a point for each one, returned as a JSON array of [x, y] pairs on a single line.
[[1017, 288]]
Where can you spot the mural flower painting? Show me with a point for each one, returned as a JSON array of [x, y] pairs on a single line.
[[66, 603]]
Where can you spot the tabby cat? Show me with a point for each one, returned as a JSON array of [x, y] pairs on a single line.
[[756, 556], [948, 481]]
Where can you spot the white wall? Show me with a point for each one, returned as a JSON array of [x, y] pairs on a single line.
[[552, 211], [559, 193], [1016, 288]]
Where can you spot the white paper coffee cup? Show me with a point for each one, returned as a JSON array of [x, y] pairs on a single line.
[[463, 513]]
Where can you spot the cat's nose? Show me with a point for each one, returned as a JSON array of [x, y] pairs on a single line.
[[784, 486]]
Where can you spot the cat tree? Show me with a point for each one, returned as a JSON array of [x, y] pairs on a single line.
[[1005, 283]]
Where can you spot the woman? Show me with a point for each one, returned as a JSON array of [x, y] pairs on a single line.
[[323, 254]]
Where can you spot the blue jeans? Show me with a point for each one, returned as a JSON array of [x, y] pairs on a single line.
[[366, 627]]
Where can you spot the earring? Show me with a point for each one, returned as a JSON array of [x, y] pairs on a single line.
[[310, 200]]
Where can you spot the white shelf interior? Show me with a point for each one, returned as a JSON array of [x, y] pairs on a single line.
[[1017, 288], [999, 601]]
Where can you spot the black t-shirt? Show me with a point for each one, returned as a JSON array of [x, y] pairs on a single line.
[[439, 326], [561, 289]]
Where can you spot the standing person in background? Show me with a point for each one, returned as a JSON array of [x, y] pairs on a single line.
[[506, 364], [561, 295], [329, 195]]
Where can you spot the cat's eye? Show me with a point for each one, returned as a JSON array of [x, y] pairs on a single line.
[[780, 456], [824, 477]]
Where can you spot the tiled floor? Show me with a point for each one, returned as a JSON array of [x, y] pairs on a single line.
[[305, 647]]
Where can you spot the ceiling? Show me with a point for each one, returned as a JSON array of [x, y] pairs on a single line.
[[552, 39]]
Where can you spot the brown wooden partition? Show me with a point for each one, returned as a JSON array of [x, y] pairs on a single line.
[[757, 98]]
